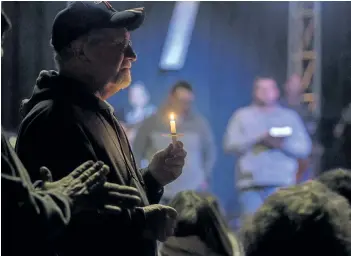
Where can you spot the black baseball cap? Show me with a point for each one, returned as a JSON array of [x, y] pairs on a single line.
[[79, 17]]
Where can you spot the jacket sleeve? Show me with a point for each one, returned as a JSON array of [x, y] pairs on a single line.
[[45, 213], [154, 191]]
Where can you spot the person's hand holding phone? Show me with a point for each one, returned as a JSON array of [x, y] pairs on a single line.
[[276, 136]]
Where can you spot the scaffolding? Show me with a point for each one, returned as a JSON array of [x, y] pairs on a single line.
[[304, 59], [304, 50]]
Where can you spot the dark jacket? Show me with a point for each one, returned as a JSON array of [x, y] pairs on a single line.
[[30, 218], [65, 126]]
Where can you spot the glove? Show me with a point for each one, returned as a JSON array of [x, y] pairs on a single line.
[[112, 198], [96, 194], [84, 178], [160, 221]]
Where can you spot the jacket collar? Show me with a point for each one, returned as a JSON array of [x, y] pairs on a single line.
[[75, 91]]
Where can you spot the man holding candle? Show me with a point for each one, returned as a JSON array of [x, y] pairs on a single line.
[[68, 118], [177, 119]]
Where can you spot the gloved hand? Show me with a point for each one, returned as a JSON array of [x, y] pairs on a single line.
[[95, 194], [112, 198], [160, 221], [83, 179], [167, 165]]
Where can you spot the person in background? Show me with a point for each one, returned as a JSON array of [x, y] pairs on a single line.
[[293, 99], [234, 240], [200, 229], [68, 117], [196, 133], [337, 180], [139, 99], [35, 215], [307, 219], [266, 160], [342, 142], [142, 109]]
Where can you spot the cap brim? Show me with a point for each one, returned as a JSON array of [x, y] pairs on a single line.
[[129, 19]]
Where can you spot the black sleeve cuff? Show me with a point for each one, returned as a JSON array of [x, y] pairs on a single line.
[[151, 183]]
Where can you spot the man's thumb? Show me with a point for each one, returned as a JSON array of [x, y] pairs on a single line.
[[169, 149], [171, 212], [45, 174]]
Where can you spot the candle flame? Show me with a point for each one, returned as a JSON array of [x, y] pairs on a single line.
[[171, 116]]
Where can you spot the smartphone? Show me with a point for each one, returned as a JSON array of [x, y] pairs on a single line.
[[280, 132]]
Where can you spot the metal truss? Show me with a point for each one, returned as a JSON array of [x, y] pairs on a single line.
[[304, 50]]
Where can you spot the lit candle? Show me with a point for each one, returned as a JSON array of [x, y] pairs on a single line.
[[173, 128]]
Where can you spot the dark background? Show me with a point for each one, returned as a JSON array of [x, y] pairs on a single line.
[[232, 43]]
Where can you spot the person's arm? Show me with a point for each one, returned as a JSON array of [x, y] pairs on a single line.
[[141, 142], [208, 147], [236, 139], [299, 144], [46, 213], [154, 190]]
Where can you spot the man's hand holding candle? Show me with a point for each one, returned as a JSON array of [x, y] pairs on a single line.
[[167, 164]]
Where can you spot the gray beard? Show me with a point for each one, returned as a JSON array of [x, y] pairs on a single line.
[[116, 78]]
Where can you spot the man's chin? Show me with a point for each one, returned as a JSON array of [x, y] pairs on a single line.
[[122, 80]]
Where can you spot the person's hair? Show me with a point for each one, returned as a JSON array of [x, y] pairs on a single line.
[[213, 201], [197, 217], [181, 85], [308, 219], [339, 181]]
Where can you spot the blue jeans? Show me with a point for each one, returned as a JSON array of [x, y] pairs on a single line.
[[251, 199]]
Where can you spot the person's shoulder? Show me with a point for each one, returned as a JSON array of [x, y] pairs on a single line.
[[200, 118], [243, 111], [150, 109], [289, 113], [151, 119], [46, 113], [40, 111]]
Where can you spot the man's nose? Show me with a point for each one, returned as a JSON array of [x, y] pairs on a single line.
[[130, 54]]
